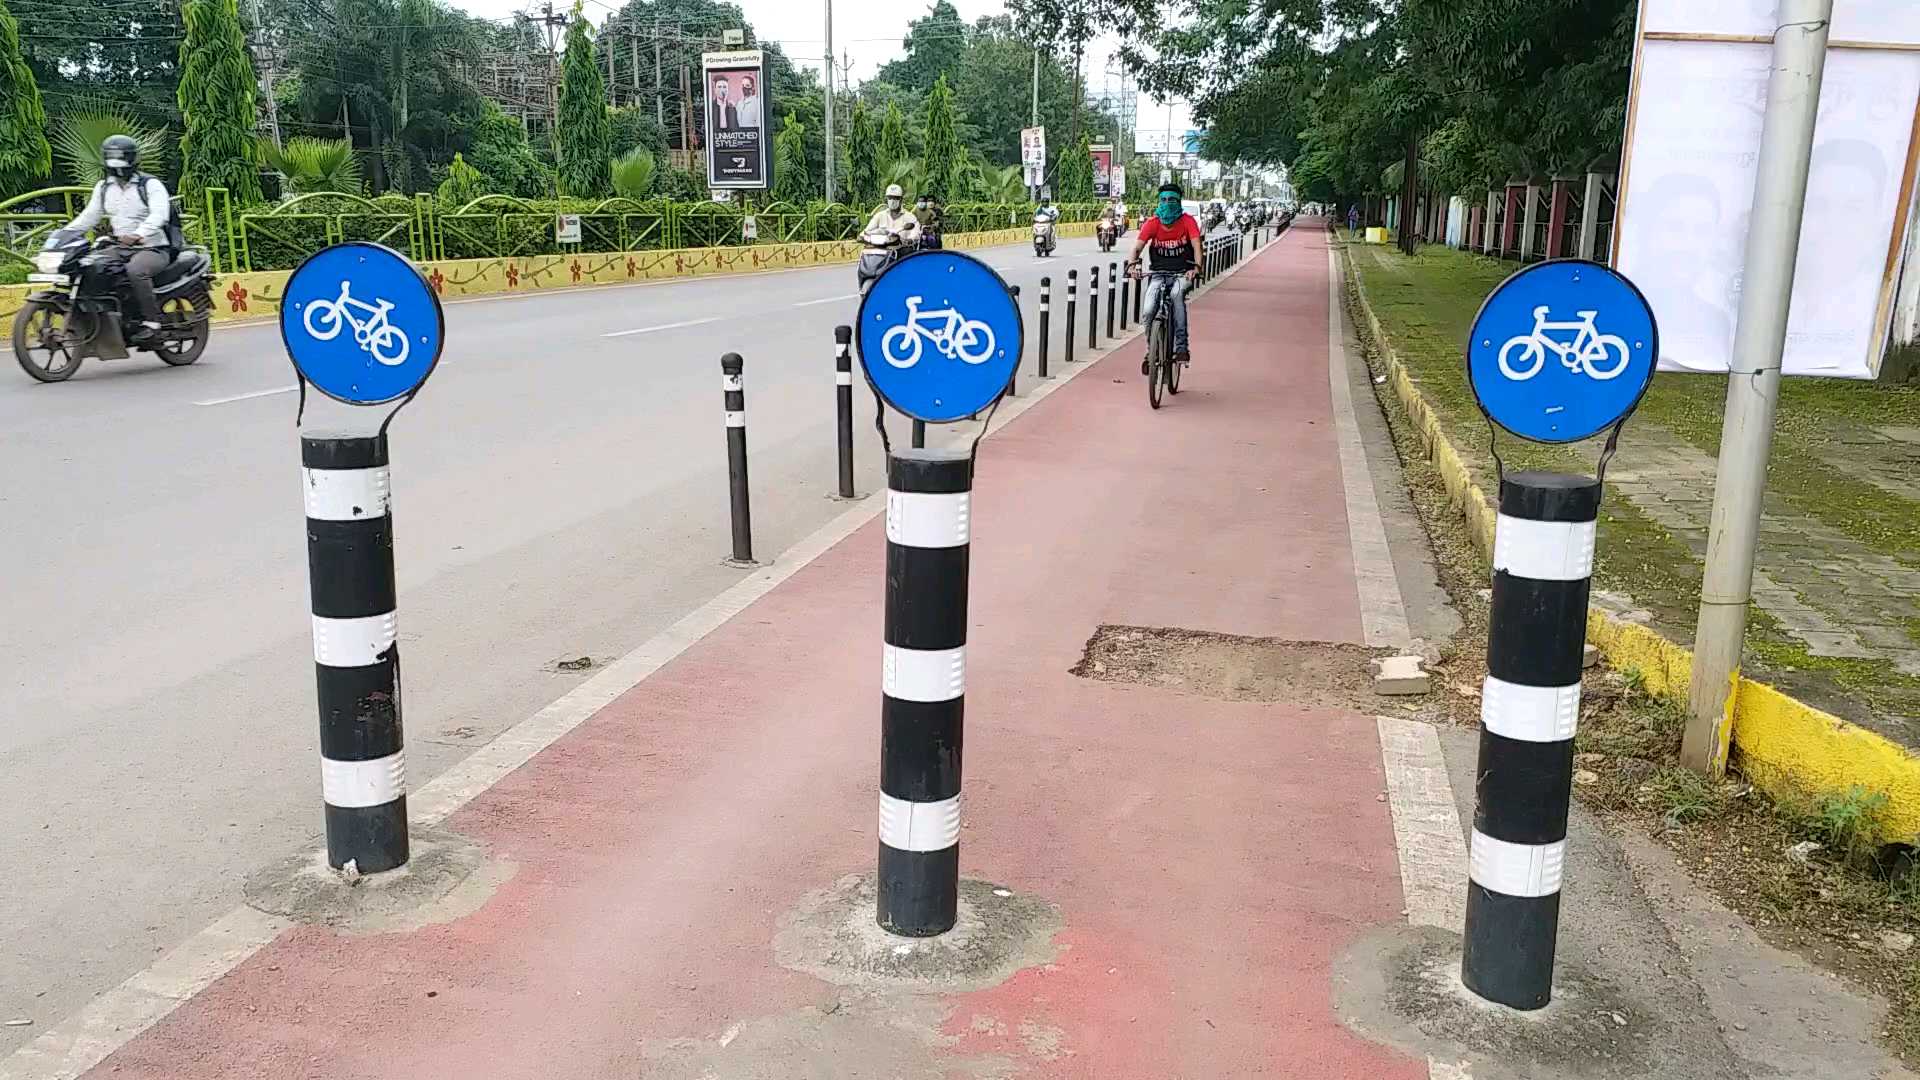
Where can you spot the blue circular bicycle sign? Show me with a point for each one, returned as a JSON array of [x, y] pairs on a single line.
[[940, 336], [1562, 350], [361, 324]]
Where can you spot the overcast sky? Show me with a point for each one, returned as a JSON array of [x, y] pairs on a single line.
[[869, 31]]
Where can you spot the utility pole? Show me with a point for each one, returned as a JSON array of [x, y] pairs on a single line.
[[633, 58], [827, 68], [1753, 382], [613, 96], [659, 85], [550, 20]]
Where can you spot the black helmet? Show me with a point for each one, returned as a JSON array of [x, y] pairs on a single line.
[[120, 155]]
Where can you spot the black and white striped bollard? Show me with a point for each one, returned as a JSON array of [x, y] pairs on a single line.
[[1093, 310], [1046, 317], [1073, 287], [1537, 628], [1113, 282], [843, 404], [734, 390], [923, 689], [1137, 282], [1013, 380], [363, 765]]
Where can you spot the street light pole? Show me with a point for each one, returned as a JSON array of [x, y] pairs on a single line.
[[1753, 383], [1034, 121], [827, 67]]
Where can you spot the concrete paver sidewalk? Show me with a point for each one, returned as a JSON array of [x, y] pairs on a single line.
[[1206, 860]]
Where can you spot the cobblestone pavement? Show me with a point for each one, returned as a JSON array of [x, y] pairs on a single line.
[[1835, 595]]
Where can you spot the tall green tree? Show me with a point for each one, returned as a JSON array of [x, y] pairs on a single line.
[[1073, 180], [584, 136], [863, 159], [934, 45], [500, 151], [893, 139], [24, 153], [791, 183], [217, 148], [942, 160]]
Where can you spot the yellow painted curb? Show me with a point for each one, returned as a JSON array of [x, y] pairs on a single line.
[[256, 294], [1787, 747]]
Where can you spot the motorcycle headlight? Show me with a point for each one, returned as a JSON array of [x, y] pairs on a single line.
[[48, 262]]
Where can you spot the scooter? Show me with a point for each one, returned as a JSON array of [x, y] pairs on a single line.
[[1042, 235], [882, 250]]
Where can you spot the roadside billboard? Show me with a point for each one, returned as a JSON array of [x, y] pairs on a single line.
[[1033, 155], [1102, 168], [1119, 181], [1688, 171], [738, 114]]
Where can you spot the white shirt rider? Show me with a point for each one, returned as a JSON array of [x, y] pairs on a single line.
[[118, 202]]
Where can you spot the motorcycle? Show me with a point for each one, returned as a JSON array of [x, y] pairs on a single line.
[[81, 315], [1042, 235], [882, 250], [1106, 233]]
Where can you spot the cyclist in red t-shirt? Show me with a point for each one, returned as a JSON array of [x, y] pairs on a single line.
[[1173, 265]]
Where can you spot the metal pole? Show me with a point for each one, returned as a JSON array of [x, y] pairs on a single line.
[[1136, 298], [1536, 632], [1046, 318], [1073, 287], [1013, 380], [919, 434], [923, 690], [1093, 310], [843, 403], [829, 102], [659, 86], [363, 767], [1590, 215], [1035, 120], [734, 392], [1753, 387], [1113, 281]]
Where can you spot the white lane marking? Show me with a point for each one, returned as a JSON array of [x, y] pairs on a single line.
[[85, 1038], [250, 396], [828, 300], [1383, 611], [662, 326], [1426, 837]]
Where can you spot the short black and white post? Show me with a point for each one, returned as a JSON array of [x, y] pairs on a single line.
[[1093, 310], [1073, 287], [1113, 283], [1013, 380], [1046, 317], [1529, 707], [356, 656], [734, 390], [923, 689], [843, 404], [1138, 281]]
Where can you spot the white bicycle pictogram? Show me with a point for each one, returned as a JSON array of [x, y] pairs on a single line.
[[1601, 356], [387, 342], [956, 336]]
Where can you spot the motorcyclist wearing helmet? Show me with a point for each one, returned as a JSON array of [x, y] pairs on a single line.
[[926, 209], [895, 218], [136, 207]]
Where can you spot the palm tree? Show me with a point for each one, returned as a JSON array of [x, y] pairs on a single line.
[[633, 173], [80, 130], [312, 165]]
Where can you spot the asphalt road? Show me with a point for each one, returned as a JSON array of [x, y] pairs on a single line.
[[559, 491]]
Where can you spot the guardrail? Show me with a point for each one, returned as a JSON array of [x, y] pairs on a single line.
[[279, 236]]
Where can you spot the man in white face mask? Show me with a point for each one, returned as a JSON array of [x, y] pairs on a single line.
[[894, 217]]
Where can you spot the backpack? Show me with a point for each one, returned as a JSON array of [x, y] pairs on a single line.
[[175, 231]]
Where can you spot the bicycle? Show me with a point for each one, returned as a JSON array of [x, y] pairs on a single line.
[[375, 335], [1586, 352], [956, 337], [1161, 371]]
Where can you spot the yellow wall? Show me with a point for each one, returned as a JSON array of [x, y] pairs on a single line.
[[256, 295]]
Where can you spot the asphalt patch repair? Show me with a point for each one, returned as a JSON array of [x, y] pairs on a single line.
[[1316, 674]]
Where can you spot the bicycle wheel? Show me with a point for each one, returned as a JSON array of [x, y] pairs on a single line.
[[1156, 361], [1173, 376]]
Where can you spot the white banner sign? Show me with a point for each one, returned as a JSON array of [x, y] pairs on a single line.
[[1119, 181], [566, 228], [1688, 172]]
